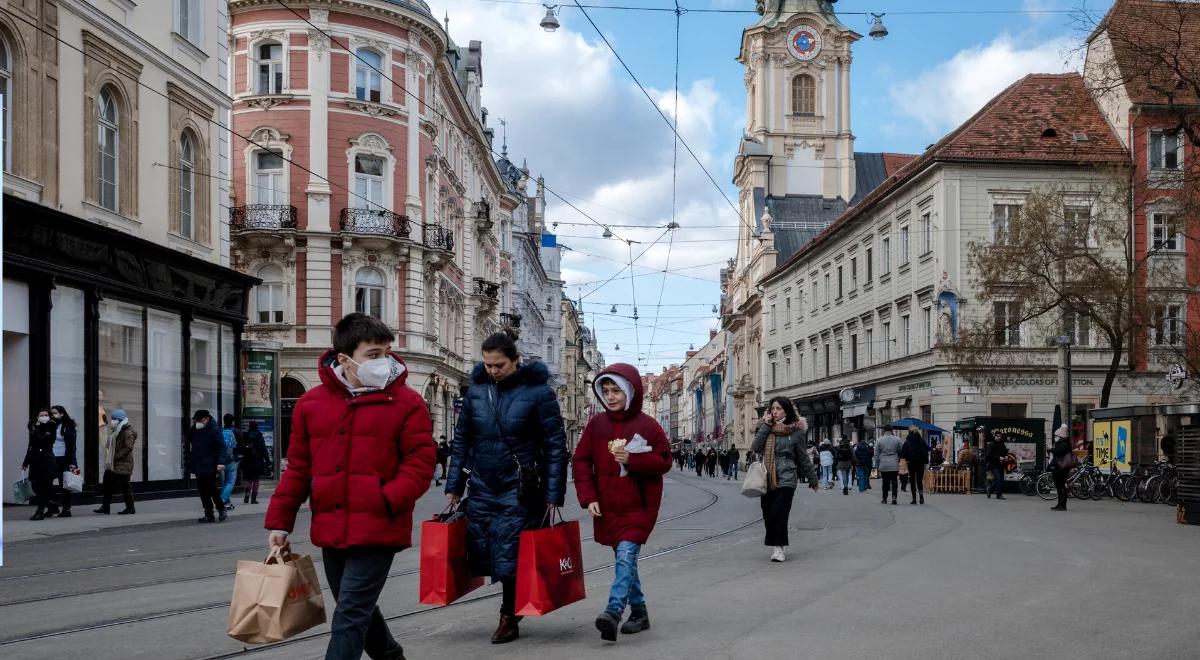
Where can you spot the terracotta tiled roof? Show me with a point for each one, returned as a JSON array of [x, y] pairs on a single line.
[[1012, 128], [893, 162], [1148, 38]]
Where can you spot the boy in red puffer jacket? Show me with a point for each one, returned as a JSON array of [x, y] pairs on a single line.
[[619, 467], [362, 448]]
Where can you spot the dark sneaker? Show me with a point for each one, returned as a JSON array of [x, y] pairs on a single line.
[[102, 510], [126, 512], [607, 624], [221, 515], [66, 513], [207, 519]]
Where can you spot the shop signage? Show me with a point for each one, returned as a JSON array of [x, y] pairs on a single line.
[[923, 385], [1036, 382], [968, 390]]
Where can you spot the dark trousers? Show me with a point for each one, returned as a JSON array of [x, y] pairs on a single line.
[[904, 482], [114, 482], [62, 464], [776, 507], [209, 486], [1060, 485], [508, 599], [997, 485], [43, 493], [916, 479], [356, 578], [891, 482]]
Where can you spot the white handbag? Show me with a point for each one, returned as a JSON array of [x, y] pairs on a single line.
[[755, 483], [72, 482]]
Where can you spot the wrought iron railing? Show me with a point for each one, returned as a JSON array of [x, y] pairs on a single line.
[[262, 216], [439, 238], [375, 221], [487, 289], [511, 320]]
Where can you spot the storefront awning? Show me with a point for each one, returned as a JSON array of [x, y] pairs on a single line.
[[884, 404], [901, 402], [854, 411]]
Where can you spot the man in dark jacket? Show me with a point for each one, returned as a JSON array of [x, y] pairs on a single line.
[[915, 452], [362, 453], [863, 455], [997, 452], [209, 456], [734, 458], [443, 456]]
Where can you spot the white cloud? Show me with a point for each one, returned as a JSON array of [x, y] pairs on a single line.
[[943, 97]]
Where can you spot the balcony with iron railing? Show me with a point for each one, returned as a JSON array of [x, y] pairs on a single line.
[[511, 320], [438, 237], [262, 217], [486, 289], [376, 221]]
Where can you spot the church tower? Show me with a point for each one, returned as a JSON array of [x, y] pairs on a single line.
[[797, 59]]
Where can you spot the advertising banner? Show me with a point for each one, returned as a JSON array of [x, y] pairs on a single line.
[[1102, 443]]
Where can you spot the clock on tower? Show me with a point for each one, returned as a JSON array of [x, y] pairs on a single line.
[[804, 42]]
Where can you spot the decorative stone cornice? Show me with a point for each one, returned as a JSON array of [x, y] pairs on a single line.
[[265, 102], [373, 109]]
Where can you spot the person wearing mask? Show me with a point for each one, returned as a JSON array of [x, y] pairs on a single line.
[[254, 462], [780, 442], [997, 452], [915, 453], [232, 436], [887, 461], [1064, 460], [826, 454], [621, 487], [362, 454], [208, 458], [735, 457], [65, 459], [863, 454], [39, 461], [510, 448], [846, 463], [118, 463]]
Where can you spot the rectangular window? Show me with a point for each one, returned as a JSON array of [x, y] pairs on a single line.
[[368, 182], [1007, 323], [828, 290], [268, 178], [787, 371], [840, 363], [165, 361], [827, 364], [885, 256], [122, 331], [815, 364], [270, 68], [228, 371], [904, 245], [815, 300], [870, 265], [800, 365], [773, 317], [1168, 325], [906, 336], [1166, 151], [926, 232], [1003, 218], [927, 313], [854, 274], [1079, 225], [787, 310], [774, 382], [1079, 327], [67, 357], [1164, 232], [840, 280], [887, 341], [854, 351], [870, 346], [189, 20]]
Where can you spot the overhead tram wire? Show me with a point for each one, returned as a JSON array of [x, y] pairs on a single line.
[[637, 335], [214, 122], [405, 88], [674, 184], [916, 12]]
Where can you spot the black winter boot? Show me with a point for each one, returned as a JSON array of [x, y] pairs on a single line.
[[221, 515], [246, 498], [638, 620], [40, 514], [607, 624]]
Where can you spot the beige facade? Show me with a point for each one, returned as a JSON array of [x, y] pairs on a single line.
[[702, 406]]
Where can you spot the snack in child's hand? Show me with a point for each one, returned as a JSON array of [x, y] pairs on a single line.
[[613, 445]]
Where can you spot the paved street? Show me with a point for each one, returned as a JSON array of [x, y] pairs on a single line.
[[961, 577]]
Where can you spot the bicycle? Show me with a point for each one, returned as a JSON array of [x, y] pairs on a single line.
[[1028, 481]]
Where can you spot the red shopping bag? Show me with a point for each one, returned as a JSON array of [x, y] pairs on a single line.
[[549, 569], [445, 572]]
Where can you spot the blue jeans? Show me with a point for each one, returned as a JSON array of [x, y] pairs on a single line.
[[845, 472], [997, 485], [356, 578], [864, 478], [826, 475], [627, 586], [231, 469], [733, 470]]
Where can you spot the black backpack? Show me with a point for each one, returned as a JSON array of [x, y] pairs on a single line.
[[844, 454]]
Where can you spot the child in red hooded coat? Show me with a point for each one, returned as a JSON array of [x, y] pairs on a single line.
[[622, 489]]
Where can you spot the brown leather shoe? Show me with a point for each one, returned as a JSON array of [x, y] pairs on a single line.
[[507, 631]]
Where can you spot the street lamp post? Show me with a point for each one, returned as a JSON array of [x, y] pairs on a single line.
[[1064, 375]]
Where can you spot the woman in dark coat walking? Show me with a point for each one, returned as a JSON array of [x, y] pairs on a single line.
[[916, 454], [997, 451], [254, 460], [39, 460], [1061, 466], [780, 441], [510, 449], [64, 456]]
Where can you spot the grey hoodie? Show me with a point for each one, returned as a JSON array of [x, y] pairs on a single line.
[[887, 453]]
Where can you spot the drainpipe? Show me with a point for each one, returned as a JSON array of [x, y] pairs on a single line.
[[1133, 338]]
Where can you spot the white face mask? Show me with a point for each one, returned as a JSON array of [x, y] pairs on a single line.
[[116, 423], [199, 425], [42, 419], [375, 373]]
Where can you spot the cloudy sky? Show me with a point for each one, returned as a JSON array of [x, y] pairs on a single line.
[[581, 122]]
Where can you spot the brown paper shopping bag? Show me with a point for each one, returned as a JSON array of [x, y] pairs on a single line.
[[275, 599]]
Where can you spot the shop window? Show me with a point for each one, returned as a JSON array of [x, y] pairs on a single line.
[[228, 373], [122, 353], [165, 361], [67, 360], [927, 414], [206, 371]]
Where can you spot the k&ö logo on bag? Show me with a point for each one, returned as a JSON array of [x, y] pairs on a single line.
[[565, 565], [301, 591]]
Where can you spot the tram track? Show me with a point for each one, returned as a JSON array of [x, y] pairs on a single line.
[[714, 498]]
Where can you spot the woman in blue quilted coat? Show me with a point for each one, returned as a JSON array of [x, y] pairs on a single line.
[[510, 450]]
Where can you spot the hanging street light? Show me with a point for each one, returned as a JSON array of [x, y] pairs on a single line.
[[550, 21], [617, 347], [607, 233], [635, 316], [715, 310], [878, 30], [613, 310]]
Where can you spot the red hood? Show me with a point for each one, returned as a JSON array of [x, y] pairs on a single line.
[[630, 374], [328, 361]]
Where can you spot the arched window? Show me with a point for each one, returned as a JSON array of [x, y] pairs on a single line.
[[369, 285], [368, 81], [804, 95], [106, 150], [269, 296], [187, 184], [6, 88], [270, 68]]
